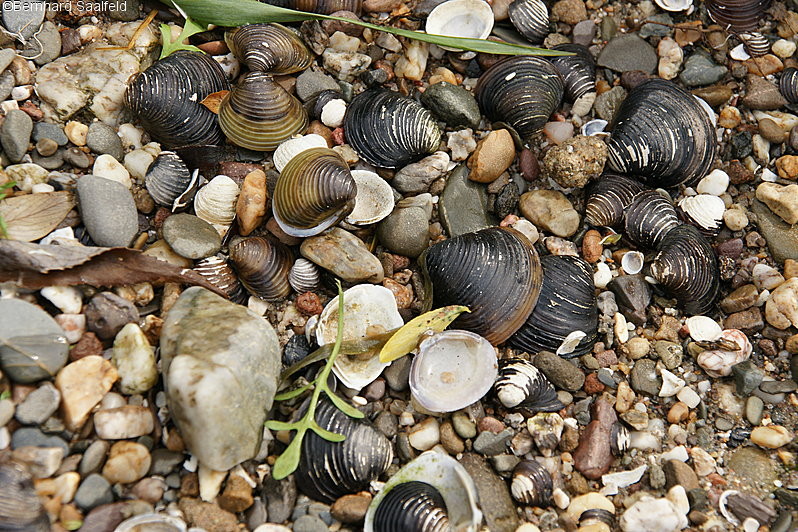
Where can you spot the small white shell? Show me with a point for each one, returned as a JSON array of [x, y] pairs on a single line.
[[632, 262], [292, 147], [374, 200], [452, 370], [304, 276], [718, 362], [153, 522], [595, 127], [703, 329], [461, 18], [671, 384], [369, 310], [738, 53], [216, 202], [570, 342], [725, 511], [704, 210], [674, 5]]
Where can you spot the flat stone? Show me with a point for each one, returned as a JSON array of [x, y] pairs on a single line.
[[593, 456], [782, 238], [39, 405], [651, 29], [108, 211], [678, 473], [493, 156], [551, 211], [124, 422], [345, 255], [32, 437], [754, 406], [6, 84], [560, 372], [633, 295], [191, 237], [102, 138], [405, 231], [202, 334], [15, 134], [494, 496], [23, 17], [28, 330], [699, 70], [93, 491], [463, 204], [762, 94], [453, 104], [7, 55], [94, 457], [280, 498], [753, 465], [644, 378], [490, 444], [628, 52], [42, 462], [45, 47], [310, 83]]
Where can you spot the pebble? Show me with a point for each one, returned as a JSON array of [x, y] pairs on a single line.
[[45, 130], [782, 238], [107, 210], [405, 231], [559, 371], [76, 132], [46, 47], [493, 156], [576, 161], [83, 384], [460, 144], [762, 94], [714, 183], [134, 359], [106, 314], [493, 494], [644, 379], [109, 168], [607, 103], [771, 436], [653, 515], [463, 205], [550, 210], [6, 411], [677, 473], [584, 32], [628, 52], [39, 405], [93, 491], [753, 465], [714, 95], [781, 309], [93, 457], [425, 435], [416, 178], [102, 138], [343, 254], [22, 18], [33, 437], [127, 462], [490, 443], [191, 237], [251, 203], [351, 508], [453, 104], [569, 11], [735, 219], [209, 516], [15, 134], [669, 352], [670, 58], [699, 70], [309, 523], [754, 406], [76, 158], [124, 422]]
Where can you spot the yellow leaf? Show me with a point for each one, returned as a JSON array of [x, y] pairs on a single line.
[[32, 216], [409, 335]]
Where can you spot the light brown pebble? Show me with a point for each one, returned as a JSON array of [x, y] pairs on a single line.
[[83, 384], [591, 246], [351, 508], [402, 293], [450, 440], [76, 132], [787, 166], [569, 11], [790, 268], [127, 462], [46, 147], [150, 489], [624, 397], [251, 204], [678, 412], [730, 118], [637, 347], [493, 156], [771, 437], [765, 65], [237, 495], [791, 344]]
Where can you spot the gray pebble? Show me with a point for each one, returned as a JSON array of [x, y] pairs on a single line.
[[77, 158], [309, 523], [650, 29], [723, 424], [669, 352], [6, 56], [746, 377], [46, 130], [93, 491], [774, 387], [33, 437], [606, 303], [584, 32], [53, 162], [417, 177], [753, 409], [699, 69], [453, 104], [504, 463], [6, 411], [23, 17], [463, 425], [490, 443], [107, 313], [15, 134], [39, 405], [102, 138], [644, 378], [93, 457], [191, 237], [6, 84], [464, 204], [397, 375], [310, 84], [770, 398], [108, 211], [562, 373], [628, 52], [633, 294], [280, 497], [256, 515], [45, 47], [608, 102], [387, 424], [124, 10], [405, 231]]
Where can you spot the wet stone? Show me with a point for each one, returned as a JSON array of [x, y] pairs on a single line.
[[560, 372], [30, 326], [405, 231], [746, 377], [102, 138], [39, 405], [699, 70], [628, 52], [464, 204], [453, 104], [190, 236], [644, 378]]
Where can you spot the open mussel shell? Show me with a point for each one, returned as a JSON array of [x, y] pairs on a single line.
[[662, 134], [521, 384], [263, 267], [443, 477], [471, 269], [304, 276], [704, 211], [578, 71], [315, 191], [389, 130], [649, 218], [328, 470], [258, 114], [530, 18], [607, 198], [324, 7], [269, 48], [532, 484], [737, 15], [169, 181], [374, 200], [166, 98], [217, 272], [522, 92], [788, 84], [567, 303], [452, 370], [687, 268], [20, 507], [461, 18]]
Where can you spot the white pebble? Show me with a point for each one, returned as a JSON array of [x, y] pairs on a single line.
[[766, 277], [602, 276], [644, 441], [5, 438], [677, 453], [621, 329], [134, 359], [344, 43], [332, 115], [9, 105], [688, 396], [425, 435], [735, 218], [560, 498], [714, 183], [671, 384], [130, 136], [558, 132], [653, 515], [42, 188], [210, 482], [108, 167], [67, 298], [526, 228], [21, 93], [784, 48], [769, 176], [74, 325], [678, 496]]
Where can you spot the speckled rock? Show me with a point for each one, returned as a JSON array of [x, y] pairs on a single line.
[[108, 211], [551, 211], [628, 52], [344, 254], [15, 134], [576, 161]]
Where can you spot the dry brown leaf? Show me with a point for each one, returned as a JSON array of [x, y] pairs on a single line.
[[32, 216], [214, 100], [35, 266]]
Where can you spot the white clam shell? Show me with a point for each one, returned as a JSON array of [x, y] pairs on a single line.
[[368, 310], [292, 147], [374, 200], [216, 202], [570, 342], [632, 262], [718, 362], [154, 522], [703, 329], [595, 127], [671, 384], [705, 210], [452, 370], [674, 5], [461, 18]]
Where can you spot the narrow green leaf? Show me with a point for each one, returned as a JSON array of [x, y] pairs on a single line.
[[326, 434], [285, 396], [409, 335], [189, 28], [343, 406], [287, 462], [273, 424]]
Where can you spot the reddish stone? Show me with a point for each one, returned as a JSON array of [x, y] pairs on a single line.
[[88, 344], [338, 136], [593, 384], [593, 456], [32, 111], [309, 303], [607, 358], [490, 424], [238, 171]]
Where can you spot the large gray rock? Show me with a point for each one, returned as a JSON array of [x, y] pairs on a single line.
[[32, 344], [782, 238], [108, 211], [344, 254], [628, 52], [222, 365], [15, 134]]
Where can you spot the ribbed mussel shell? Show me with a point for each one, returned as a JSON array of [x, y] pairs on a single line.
[[567, 303], [521, 384], [662, 134], [649, 218], [325, 7], [263, 267], [389, 130], [620, 439], [788, 84], [704, 211], [269, 48], [304, 276], [607, 198], [532, 484], [530, 18], [756, 44], [169, 181], [258, 114], [412, 506], [314, 192], [578, 71], [472, 269], [521, 91], [686, 266], [166, 98], [328, 470], [737, 15], [219, 273], [20, 507]]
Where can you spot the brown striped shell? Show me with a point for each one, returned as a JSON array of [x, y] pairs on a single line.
[[737, 15], [648, 219], [216, 270], [269, 48], [325, 7], [263, 267], [532, 484], [607, 198]]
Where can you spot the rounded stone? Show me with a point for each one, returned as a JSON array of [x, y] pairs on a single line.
[[108, 211], [127, 462], [190, 236], [453, 104], [405, 231], [102, 138]]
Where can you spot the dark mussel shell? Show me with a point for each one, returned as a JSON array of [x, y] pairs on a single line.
[[263, 267], [567, 303], [169, 181], [269, 48], [530, 18], [389, 130], [532, 484], [413, 506], [328, 470], [167, 99], [521, 384], [620, 439], [607, 198], [596, 515], [578, 71], [495, 272], [315, 191], [649, 218], [258, 114], [687, 268], [737, 15], [325, 7], [20, 507], [217, 272], [522, 92], [662, 134], [788, 84]]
